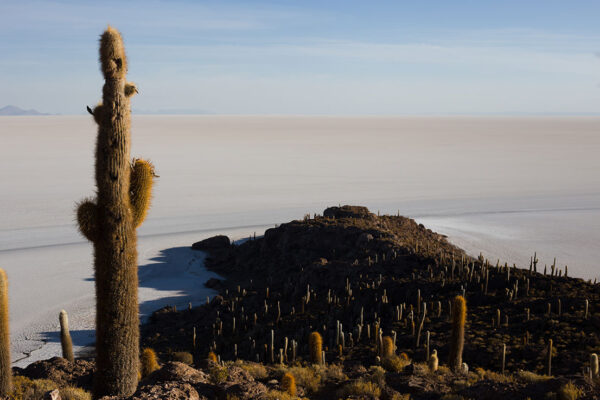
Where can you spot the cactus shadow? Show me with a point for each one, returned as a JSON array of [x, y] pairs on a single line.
[[82, 337], [175, 277]]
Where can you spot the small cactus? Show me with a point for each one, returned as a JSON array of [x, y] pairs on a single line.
[[457, 341], [594, 365], [387, 347], [288, 384], [65, 337], [433, 362], [212, 357], [149, 363], [5, 367], [315, 345]]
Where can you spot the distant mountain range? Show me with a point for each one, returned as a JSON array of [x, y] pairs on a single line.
[[13, 110]]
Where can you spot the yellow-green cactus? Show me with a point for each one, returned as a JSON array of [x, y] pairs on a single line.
[[109, 221]]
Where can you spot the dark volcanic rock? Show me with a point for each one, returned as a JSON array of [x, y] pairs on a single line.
[[347, 212], [213, 283], [212, 243], [176, 371], [78, 373]]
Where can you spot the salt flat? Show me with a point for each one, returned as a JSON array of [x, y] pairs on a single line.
[[502, 186]]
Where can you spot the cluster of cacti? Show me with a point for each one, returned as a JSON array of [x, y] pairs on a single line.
[[109, 221], [5, 366], [269, 322]]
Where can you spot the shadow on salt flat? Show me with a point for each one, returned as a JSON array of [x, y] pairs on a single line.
[[80, 338], [175, 277]]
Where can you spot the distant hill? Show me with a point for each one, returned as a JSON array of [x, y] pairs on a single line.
[[13, 110]]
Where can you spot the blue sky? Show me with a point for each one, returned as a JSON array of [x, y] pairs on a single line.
[[309, 57]]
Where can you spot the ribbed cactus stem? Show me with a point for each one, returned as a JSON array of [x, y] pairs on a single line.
[[65, 337], [5, 367], [109, 221], [457, 341]]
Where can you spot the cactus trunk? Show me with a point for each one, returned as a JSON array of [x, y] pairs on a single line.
[[110, 221], [457, 341]]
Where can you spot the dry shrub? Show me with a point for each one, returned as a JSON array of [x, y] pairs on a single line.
[[330, 372], [25, 388], [361, 387], [307, 377], [258, 371], [218, 374], [377, 375], [569, 392], [394, 363], [73, 393], [183, 357], [531, 377]]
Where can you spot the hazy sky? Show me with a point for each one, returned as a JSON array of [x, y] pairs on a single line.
[[309, 57]]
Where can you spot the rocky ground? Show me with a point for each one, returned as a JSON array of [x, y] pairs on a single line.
[[355, 277]]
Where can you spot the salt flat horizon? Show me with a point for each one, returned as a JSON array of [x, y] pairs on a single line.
[[502, 186]]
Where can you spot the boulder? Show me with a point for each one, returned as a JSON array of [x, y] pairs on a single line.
[[65, 373], [347, 212], [213, 243]]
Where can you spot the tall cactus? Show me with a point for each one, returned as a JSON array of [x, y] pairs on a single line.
[[457, 340], [110, 220], [5, 367]]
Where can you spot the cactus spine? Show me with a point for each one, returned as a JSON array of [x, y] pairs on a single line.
[[457, 341], [315, 345], [110, 220], [288, 384], [5, 367], [65, 337]]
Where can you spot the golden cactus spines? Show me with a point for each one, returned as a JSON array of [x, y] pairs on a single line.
[[142, 176], [109, 221], [5, 367], [387, 347], [212, 357], [65, 336], [149, 362], [457, 340], [315, 345], [288, 384]]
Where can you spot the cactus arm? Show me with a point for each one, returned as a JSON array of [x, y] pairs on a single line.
[[87, 217], [140, 189]]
